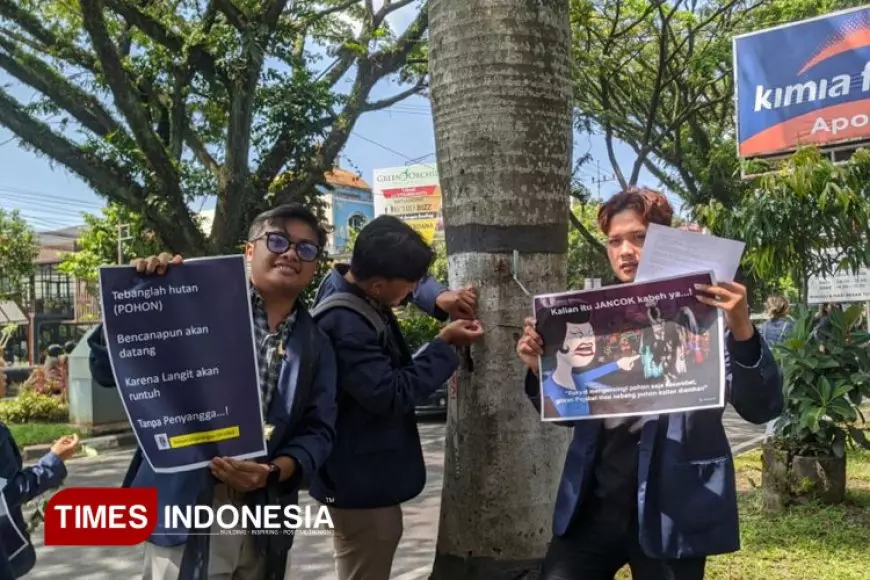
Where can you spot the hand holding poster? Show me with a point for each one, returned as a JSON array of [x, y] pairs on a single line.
[[182, 352], [630, 350]]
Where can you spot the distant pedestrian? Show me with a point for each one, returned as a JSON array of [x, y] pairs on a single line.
[[779, 324], [776, 330]]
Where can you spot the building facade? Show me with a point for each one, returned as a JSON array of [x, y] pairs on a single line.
[[349, 206], [54, 308]]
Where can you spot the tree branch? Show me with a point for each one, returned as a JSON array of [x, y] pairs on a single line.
[[191, 139], [658, 87], [608, 131], [272, 10], [390, 101], [235, 179], [318, 16], [234, 16], [387, 9], [587, 235], [391, 60], [52, 45], [80, 105], [127, 101], [104, 175], [201, 59]]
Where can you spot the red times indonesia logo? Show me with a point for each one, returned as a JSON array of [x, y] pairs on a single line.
[[97, 516]]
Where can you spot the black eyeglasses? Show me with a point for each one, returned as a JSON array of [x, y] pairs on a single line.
[[279, 243]]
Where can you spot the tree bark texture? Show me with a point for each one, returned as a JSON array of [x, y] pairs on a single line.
[[501, 97]]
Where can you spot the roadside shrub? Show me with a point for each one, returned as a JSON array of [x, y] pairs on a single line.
[[417, 327], [32, 407]]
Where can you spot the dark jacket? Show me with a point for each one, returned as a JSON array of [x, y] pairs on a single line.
[[377, 459], [22, 485], [303, 430], [686, 495]]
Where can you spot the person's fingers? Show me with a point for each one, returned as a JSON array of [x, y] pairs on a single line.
[[733, 287], [526, 350], [151, 264], [464, 310], [468, 295], [163, 262], [718, 290], [176, 259], [710, 301], [221, 469], [533, 335], [530, 347], [246, 466], [139, 264]]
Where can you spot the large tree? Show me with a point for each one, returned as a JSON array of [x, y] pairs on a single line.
[[501, 98], [157, 102]]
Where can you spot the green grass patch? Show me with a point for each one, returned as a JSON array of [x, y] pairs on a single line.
[[811, 541], [37, 433]]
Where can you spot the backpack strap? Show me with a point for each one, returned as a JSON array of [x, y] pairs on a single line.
[[356, 304]]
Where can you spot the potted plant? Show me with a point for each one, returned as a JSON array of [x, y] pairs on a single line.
[[826, 376]]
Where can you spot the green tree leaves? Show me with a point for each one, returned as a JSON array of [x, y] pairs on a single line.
[[18, 251]]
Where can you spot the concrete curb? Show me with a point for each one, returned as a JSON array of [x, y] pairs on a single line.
[[102, 443], [748, 445]]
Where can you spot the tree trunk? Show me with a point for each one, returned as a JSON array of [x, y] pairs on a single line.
[[501, 98]]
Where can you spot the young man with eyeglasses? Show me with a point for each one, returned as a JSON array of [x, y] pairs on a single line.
[[297, 387]]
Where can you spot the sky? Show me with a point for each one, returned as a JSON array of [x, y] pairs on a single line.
[[50, 197]]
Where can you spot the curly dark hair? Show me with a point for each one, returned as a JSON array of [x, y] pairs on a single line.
[[651, 205]]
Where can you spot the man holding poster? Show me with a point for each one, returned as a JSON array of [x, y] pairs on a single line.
[[297, 382], [649, 484]]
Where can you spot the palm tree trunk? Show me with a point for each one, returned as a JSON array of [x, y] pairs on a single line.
[[501, 97]]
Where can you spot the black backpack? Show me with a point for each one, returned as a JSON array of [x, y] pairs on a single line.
[[355, 303]]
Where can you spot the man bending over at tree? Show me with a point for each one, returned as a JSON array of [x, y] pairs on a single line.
[[378, 462]]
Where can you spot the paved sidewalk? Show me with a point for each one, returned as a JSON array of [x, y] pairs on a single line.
[[312, 555]]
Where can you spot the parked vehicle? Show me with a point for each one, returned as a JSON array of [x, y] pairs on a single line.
[[436, 404]]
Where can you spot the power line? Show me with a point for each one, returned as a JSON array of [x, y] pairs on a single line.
[[393, 151], [599, 179], [39, 196]]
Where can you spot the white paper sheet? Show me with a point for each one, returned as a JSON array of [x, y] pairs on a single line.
[[672, 252]]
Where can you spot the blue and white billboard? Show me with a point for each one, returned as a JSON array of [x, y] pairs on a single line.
[[804, 83]]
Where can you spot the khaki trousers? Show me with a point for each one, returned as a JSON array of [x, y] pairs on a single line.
[[365, 541], [232, 553]]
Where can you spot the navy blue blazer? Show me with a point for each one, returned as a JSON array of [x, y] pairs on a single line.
[[309, 441], [686, 496], [377, 459], [22, 486]]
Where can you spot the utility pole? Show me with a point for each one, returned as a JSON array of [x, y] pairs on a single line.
[[599, 180], [123, 235]]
